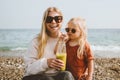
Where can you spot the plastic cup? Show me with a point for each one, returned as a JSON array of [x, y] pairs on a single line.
[[62, 56]]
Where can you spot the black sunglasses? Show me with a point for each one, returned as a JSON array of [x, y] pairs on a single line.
[[72, 30], [57, 19]]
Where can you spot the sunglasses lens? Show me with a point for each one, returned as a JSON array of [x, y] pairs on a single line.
[[73, 30], [67, 29], [57, 19], [49, 19]]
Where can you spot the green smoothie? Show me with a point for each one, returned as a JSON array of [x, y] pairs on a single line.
[[62, 56]]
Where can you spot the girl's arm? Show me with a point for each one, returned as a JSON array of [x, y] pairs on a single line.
[[90, 61], [90, 69]]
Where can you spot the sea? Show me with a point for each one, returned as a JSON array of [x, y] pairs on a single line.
[[103, 41]]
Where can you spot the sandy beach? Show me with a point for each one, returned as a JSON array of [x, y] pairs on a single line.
[[12, 67]]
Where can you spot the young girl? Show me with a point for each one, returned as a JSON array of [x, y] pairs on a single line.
[[79, 54]]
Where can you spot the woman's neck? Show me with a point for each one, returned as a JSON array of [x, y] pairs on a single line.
[[54, 35]]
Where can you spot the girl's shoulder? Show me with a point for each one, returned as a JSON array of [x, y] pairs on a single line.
[[87, 46], [88, 50]]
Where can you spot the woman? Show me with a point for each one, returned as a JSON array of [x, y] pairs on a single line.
[[41, 62]]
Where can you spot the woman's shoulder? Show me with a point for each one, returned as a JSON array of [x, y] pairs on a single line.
[[34, 41]]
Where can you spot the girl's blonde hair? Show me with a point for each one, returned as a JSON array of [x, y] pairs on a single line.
[[43, 36], [81, 23]]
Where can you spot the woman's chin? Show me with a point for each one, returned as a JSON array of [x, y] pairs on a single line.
[[55, 30]]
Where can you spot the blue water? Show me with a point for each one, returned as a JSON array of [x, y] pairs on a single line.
[[100, 39], [16, 39]]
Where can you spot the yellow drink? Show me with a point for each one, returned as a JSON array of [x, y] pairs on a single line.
[[62, 56]]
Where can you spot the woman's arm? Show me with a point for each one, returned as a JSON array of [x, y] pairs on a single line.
[[33, 65]]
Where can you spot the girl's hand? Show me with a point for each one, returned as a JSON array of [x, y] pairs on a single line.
[[55, 63], [64, 37], [88, 77]]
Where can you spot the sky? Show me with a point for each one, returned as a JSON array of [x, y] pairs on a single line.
[[28, 14]]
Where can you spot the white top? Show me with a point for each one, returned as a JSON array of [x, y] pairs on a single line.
[[34, 66]]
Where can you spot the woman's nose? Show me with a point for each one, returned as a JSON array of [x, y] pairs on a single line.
[[53, 21]]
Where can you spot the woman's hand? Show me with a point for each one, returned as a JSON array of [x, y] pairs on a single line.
[[55, 63]]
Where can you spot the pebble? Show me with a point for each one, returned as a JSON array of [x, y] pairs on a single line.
[[12, 68]]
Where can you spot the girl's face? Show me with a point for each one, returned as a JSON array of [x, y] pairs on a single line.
[[73, 31], [53, 22]]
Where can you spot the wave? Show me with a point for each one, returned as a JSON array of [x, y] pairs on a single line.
[[94, 48], [12, 49], [105, 48], [18, 48]]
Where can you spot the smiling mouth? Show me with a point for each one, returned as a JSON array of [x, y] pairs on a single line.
[[54, 27]]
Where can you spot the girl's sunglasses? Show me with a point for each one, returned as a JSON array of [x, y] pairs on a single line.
[[72, 30], [57, 19]]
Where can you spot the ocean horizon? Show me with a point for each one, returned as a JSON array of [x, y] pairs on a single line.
[[102, 40]]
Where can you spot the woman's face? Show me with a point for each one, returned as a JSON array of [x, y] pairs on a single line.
[[73, 31], [53, 22]]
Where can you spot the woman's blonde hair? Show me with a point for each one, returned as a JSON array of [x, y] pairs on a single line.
[[43, 36], [81, 23]]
